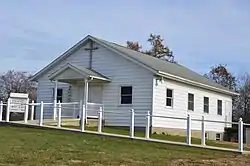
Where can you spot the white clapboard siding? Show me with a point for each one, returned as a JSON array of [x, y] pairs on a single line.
[[45, 86], [74, 93], [121, 72], [180, 106]]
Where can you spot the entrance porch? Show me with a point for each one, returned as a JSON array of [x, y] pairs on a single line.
[[88, 86]]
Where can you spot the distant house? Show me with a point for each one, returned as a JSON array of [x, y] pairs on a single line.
[[123, 79]]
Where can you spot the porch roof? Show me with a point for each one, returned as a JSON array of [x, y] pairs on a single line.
[[72, 72]]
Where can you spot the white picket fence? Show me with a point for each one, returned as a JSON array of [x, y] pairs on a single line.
[[148, 116], [99, 112], [188, 120], [62, 110], [7, 106]]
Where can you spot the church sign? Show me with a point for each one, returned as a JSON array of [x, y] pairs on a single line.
[[18, 101]]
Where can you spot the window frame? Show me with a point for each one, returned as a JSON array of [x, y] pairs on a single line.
[[205, 105], [219, 107], [189, 101], [125, 95], [216, 138], [206, 135], [172, 98]]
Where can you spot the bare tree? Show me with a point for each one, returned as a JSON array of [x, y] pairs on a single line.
[[242, 102], [16, 82]]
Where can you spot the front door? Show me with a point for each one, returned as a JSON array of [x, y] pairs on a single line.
[[94, 99], [95, 94]]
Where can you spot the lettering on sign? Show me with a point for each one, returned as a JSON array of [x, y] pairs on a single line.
[[18, 101]]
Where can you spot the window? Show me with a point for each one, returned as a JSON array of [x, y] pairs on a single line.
[[191, 101], [218, 136], [59, 95], [206, 104], [126, 95], [169, 98], [219, 107], [206, 135]]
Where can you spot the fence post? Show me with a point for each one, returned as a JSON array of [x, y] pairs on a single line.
[[1, 111], [80, 109], [26, 113], [8, 111], [54, 109], [203, 135], [32, 110], [41, 115], [74, 113], [59, 114], [240, 135], [100, 121], [147, 129], [132, 123], [86, 114], [83, 118], [189, 129]]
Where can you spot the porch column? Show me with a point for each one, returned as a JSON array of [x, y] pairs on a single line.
[[55, 99], [86, 89]]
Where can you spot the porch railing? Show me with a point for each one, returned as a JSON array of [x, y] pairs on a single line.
[[50, 110], [70, 110]]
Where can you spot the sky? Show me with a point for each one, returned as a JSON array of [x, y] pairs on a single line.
[[201, 34]]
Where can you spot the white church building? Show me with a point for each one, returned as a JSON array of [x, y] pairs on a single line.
[[121, 79]]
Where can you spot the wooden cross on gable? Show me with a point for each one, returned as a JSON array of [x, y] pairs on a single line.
[[90, 49]]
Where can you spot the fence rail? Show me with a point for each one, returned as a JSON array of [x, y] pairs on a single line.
[[67, 110], [99, 108]]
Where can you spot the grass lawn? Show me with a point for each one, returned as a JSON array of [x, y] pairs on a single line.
[[175, 138], [26, 146]]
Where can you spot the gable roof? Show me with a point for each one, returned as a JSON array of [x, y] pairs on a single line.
[[159, 67], [82, 71]]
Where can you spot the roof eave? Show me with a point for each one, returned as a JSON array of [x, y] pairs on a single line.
[[194, 83], [78, 45], [100, 78], [58, 59]]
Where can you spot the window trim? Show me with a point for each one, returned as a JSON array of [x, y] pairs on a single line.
[[172, 98], [120, 95], [216, 137], [206, 104], [190, 102], [218, 107]]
